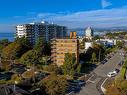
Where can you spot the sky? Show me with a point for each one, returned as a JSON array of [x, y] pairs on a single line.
[[72, 13]]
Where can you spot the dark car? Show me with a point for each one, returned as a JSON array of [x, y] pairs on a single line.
[[121, 63], [109, 57], [104, 61], [93, 66], [117, 70]]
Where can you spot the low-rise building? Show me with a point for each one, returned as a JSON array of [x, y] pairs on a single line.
[[88, 45], [107, 42]]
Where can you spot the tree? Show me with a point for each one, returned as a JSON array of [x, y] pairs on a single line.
[[14, 78], [117, 88], [16, 49], [97, 49], [94, 58], [4, 42], [53, 68], [79, 68], [54, 85], [70, 65], [119, 44], [47, 49], [11, 51], [39, 45], [30, 57], [25, 45], [43, 47]]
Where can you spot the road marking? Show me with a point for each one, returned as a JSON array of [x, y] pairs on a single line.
[[91, 81], [102, 88]]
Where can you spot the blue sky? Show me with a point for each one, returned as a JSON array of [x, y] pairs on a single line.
[[72, 13]]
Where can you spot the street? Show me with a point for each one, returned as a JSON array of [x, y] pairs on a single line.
[[93, 84]]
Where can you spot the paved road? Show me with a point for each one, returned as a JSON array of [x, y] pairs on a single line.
[[112, 63], [92, 86]]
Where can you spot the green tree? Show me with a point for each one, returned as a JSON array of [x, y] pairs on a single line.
[[54, 85], [4, 42], [70, 65], [30, 57], [39, 45], [79, 68], [25, 45], [14, 78], [11, 51], [94, 58], [43, 47], [119, 44], [53, 68], [16, 49], [47, 49]]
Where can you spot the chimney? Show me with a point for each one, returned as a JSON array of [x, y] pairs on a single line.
[[73, 35]]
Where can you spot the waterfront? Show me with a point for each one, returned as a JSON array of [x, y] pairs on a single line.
[[11, 35]]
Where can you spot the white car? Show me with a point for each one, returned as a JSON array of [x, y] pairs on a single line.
[[71, 93], [112, 74]]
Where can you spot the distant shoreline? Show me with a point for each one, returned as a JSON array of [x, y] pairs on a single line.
[[10, 35]]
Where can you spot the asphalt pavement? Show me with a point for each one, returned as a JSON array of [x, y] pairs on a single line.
[[93, 84]]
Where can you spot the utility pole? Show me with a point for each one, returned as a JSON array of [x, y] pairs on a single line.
[[99, 55], [0, 60], [99, 50], [34, 72]]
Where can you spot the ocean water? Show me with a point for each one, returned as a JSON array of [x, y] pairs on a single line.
[[9, 35]]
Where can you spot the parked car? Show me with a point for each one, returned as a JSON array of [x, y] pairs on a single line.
[[121, 63], [116, 71], [109, 57], [104, 61], [113, 73]]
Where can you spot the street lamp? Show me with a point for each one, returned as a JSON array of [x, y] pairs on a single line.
[[15, 86], [99, 55]]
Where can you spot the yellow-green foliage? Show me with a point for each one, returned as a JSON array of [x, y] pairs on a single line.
[[123, 73], [11, 51], [2, 81], [54, 84]]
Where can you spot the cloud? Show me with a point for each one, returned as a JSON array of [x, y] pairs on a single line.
[[103, 18], [97, 18], [105, 3]]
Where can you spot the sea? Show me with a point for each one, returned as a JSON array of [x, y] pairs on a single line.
[[11, 35], [7, 35]]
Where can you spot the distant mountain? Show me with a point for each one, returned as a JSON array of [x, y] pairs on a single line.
[[121, 28], [81, 31]]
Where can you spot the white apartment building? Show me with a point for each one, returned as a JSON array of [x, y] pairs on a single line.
[[44, 30], [89, 33]]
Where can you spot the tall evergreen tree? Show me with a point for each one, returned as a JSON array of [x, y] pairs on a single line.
[[94, 58], [70, 65]]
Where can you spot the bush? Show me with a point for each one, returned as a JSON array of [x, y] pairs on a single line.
[[2, 82], [123, 73], [54, 85], [53, 68]]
